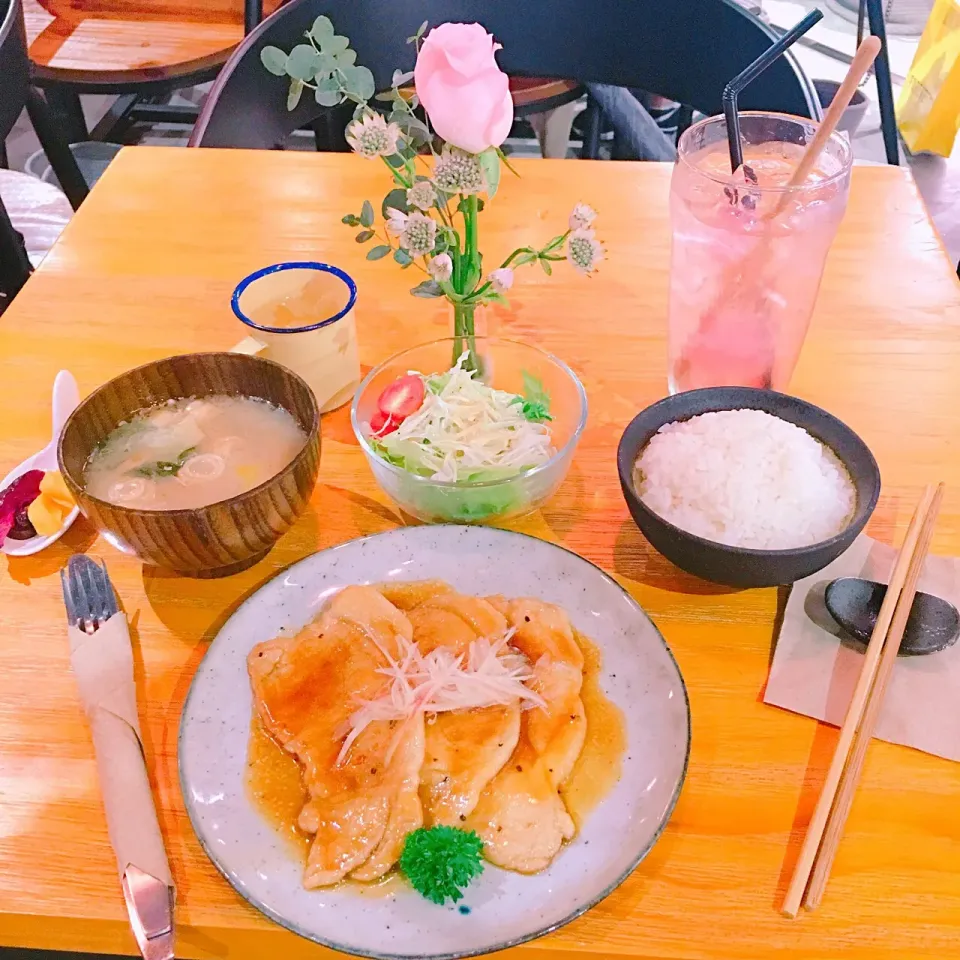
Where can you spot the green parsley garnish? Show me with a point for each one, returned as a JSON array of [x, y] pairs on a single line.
[[164, 468], [441, 861]]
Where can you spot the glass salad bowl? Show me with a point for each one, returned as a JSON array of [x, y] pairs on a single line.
[[448, 450]]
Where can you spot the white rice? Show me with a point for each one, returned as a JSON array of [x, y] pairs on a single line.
[[746, 479]]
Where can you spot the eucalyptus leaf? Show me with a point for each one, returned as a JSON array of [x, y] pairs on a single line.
[[359, 80], [366, 214], [334, 45], [293, 95], [490, 165], [322, 29], [303, 62], [388, 97], [363, 236], [378, 252], [547, 269], [428, 289], [327, 98], [275, 60], [400, 78], [326, 65], [422, 30], [329, 85], [346, 58], [394, 200], [351, 220], [402, 257], [410, 124]]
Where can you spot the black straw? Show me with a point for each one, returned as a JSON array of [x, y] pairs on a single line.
[[732, 90]]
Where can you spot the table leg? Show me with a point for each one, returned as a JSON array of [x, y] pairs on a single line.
[[55, 146], [65, 103], [592, 118], [252, 14]]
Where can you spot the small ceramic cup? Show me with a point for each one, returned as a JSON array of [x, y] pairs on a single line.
[[301, 314]]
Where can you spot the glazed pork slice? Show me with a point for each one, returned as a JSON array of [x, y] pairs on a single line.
[[464, 748], [520, 815], [305, 688]]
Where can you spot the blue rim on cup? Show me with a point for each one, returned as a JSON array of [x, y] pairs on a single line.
[[294, 265]]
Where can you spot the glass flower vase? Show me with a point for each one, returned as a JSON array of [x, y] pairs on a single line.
[[469, 322]]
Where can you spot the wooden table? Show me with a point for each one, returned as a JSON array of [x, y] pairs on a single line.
[[146, 269], [95, 43]]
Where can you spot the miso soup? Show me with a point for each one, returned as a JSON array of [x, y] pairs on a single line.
[[193, 452]]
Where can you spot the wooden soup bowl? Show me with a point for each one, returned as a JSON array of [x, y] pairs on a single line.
[[224, 537]]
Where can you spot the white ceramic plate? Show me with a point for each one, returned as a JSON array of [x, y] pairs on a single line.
[[502, 908]]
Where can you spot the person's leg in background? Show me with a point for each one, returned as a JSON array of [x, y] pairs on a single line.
[[638, 137]]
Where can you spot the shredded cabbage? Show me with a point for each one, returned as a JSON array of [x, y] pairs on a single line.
[[467, 432]]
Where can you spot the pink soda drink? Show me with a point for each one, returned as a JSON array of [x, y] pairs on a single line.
[[748, 250]]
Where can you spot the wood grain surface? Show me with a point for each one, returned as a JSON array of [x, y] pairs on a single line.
[[151, 37], [146, 269]]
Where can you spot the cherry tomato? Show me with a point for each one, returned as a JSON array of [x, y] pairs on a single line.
[[381, 424], [402, 397]]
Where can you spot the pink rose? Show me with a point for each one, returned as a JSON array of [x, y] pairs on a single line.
[[465, 93]]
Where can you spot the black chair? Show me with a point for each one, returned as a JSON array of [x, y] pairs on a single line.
[[888, 118], [17, 94], [686, 50]]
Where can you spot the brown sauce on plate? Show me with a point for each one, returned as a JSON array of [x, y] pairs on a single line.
[[598, 767], [275, 785]]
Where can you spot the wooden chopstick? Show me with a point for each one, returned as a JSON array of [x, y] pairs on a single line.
[[814, 835], [851, 773]]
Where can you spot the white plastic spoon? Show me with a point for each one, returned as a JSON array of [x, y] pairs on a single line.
[[66, 396]]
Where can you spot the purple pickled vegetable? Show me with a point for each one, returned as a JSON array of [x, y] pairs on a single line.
[[14, 500]]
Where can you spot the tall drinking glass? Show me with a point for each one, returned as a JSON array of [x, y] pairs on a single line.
[[748, 250]]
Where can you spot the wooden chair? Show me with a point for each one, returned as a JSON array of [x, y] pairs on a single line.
[[32, 213], [143, 49], [685, 50]]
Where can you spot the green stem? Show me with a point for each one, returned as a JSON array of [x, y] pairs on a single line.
[[464, 335], [471, 253]]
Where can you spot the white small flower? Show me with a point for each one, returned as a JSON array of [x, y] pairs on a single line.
[[396, 221], [441, 267], [457, 171], [373, 136], [501, 280], [422, 195], [582, 216], [419, 235], [583, 250]]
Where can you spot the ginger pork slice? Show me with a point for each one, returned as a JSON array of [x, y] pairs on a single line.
[[464, 748], [520, 815], [305, 688]]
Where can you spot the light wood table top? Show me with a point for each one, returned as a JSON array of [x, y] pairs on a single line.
[[146, 269]]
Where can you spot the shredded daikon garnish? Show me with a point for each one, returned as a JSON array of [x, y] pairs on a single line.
[[468, 432], [490, 673]]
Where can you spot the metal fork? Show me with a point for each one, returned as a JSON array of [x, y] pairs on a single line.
[[87, 593]]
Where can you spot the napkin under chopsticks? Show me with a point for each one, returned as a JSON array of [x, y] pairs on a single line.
[[814, 670], [103, 665]]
